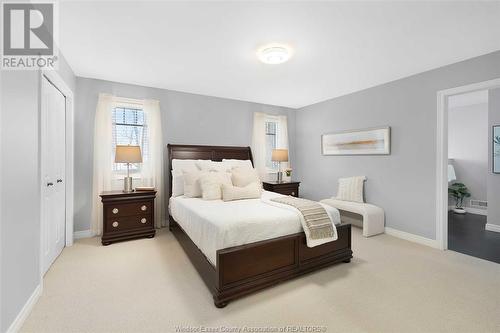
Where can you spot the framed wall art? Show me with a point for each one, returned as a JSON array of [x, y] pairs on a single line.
[[371, 141]]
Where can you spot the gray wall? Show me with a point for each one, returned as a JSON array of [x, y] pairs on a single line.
[[493, 179], [468, 147], [20, 233], [186, 118], [404, 182], [20, 188]]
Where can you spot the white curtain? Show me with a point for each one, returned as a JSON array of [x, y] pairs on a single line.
[[282, 139], [103, 158], [152, 167], [259, 144], [151, 173]]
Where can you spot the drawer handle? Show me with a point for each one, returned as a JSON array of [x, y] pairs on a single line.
[[115, 224], [115, 210], [143, 220], [144, 207]]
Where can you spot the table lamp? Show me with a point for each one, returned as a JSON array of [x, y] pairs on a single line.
[[451, 173], [128, 154], [279, 155]]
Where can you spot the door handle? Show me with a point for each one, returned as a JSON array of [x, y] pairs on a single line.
[[59, 180], [50, 184]]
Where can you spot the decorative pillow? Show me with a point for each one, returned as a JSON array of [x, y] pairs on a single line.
[[239, 163], [211, 183], [192, 187], [178, 167], [207, 165], [177, 184], [242, 176], [251, 191], [351, 189]]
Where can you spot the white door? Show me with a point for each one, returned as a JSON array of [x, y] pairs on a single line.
[[53, 149]]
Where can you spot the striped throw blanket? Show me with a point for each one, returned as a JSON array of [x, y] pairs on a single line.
[[316, 218]]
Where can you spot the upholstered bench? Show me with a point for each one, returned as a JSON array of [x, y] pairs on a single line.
[[373, 216]]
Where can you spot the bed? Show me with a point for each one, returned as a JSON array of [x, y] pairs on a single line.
[[258, 246]]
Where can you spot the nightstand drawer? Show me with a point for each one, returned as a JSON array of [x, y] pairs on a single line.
[[128, 209], [114, 224], [287, 190], [127, 215]]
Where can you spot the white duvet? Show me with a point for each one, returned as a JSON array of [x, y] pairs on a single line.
[[214, 224]]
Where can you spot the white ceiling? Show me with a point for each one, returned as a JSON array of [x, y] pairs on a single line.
[[472, 98], [209, 47]]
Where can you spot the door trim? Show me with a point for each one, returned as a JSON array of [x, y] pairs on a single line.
[[442, 154], [58, 82]]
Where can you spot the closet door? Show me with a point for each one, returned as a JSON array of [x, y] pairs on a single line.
[[53, 134]]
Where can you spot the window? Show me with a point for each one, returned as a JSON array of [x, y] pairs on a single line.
[[269, 132], [271, 143], [130, 128]]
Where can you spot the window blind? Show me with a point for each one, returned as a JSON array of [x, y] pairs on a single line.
[[130, 128]]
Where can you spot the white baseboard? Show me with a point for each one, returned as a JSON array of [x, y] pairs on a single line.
[[493, 227], [412, 238], [477, 211], [83, 234], [471, 210], [25, 311]]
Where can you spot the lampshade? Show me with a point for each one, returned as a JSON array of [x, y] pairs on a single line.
[[280, 155], [451, 173], [128, 154]]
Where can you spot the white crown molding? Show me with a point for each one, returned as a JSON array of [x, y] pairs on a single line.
[[492, 227], [25, 311], [412, 238]]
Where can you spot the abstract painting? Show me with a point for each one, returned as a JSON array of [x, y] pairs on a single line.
[[372, 141], [496, 149]]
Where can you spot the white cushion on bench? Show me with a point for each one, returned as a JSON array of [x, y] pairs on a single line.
[[373, 216]]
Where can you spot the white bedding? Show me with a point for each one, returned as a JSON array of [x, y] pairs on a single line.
[[215, 224]]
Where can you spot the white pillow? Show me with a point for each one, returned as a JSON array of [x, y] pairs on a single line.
[[238, 163], [192, 187], [351, 189], [207, 165], [178, 166], [242, 176], [251, 191], [177, 184], [211, 183]]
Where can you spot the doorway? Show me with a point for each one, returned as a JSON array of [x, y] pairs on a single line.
[[56, 168], [468, 152], [463, 158]]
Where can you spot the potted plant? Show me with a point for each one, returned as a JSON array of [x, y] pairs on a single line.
[[459, 192], [288, 172]]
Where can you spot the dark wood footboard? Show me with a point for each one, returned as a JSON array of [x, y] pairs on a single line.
[[247, 268]]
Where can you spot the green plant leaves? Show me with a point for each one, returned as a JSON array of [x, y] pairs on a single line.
[[458, 191]]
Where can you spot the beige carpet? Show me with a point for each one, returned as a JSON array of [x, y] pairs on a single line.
[[149, 285]]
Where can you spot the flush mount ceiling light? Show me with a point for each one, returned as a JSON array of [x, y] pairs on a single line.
[[274, 54]]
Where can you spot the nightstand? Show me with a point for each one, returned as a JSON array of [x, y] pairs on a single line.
[[286, 188], [127, 215]]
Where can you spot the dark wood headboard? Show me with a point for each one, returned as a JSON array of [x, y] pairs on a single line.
[[214, 153]]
